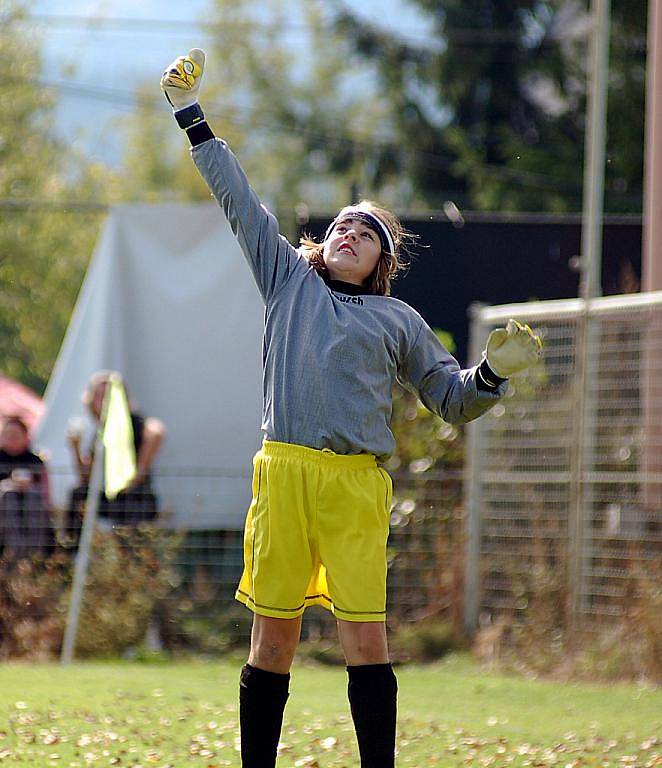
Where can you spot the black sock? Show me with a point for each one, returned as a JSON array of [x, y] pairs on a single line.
[[262, 697], [373, 691]]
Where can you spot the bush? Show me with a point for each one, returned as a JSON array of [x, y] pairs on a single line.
[[31, 606], [424, 641], [632, 648], [539, 639], [130, 574]]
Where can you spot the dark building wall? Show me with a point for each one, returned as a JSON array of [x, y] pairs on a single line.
[[503, 261]]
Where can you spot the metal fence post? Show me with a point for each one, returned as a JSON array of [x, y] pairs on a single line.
[[472, 491], [582, 467], [590, 287], [83, 554]]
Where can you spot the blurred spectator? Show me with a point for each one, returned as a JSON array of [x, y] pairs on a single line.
[[25, 522], [18, 400], [137, 502]]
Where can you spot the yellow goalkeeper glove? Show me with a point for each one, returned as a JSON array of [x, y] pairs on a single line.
[[181, 80], [512, 349]]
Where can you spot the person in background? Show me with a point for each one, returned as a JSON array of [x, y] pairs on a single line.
[[26, 529], [137, 503]]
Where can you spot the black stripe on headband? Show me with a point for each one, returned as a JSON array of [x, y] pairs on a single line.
[[385, 237]]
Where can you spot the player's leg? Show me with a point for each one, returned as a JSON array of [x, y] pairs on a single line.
[[372, 690], [264, 688], [363, 642], [278, 562], [354, 527], [274, 643]]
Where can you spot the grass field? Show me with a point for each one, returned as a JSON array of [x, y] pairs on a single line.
[[185, 714]]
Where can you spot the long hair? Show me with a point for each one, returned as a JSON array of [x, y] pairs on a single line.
[[389, 264]]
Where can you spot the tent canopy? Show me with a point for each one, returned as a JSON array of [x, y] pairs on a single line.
[[169, 302]]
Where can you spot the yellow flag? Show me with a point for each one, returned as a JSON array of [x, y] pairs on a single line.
[[117, 438]]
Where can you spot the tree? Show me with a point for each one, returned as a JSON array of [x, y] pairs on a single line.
[[492, 111], [45, 243], [156, 165], [276, 88], [489, 111]]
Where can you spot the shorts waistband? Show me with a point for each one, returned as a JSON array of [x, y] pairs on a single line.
[[326, 456]]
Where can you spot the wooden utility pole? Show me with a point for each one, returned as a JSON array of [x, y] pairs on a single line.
[[590, 287], [652, 243], [651, 270]]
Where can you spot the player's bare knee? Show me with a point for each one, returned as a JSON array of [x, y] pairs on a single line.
[[364, 643], [370, 652], [273, 650], [272, 658]]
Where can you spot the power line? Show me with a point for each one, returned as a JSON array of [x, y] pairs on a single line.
[[156, 25], [207, 29], [462, 36], [62, 206], [459, 37], [215, 111]]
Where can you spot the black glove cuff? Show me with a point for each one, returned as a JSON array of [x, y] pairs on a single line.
[[486, 379], [189, 116]]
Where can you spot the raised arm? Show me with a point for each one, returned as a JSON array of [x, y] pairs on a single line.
[[270, 256]]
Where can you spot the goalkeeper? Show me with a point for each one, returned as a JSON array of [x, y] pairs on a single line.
[[335, 343]]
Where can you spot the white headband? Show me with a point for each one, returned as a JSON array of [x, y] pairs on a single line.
[[374, 222]]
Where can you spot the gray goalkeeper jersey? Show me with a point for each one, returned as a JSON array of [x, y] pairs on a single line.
[[331, 358]]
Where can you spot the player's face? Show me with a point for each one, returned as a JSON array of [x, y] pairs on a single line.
[[351, 251]]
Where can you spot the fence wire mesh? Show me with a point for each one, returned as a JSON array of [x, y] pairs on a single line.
[[565, 493], [560, 498], [151, 587]]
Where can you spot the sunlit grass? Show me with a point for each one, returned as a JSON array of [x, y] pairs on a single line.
[[451, 714]]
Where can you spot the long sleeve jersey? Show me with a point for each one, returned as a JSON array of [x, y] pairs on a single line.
[[331, 356]]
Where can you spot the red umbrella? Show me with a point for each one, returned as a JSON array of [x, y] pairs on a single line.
[[18, 400]]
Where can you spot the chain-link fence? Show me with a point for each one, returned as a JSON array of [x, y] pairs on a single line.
[[564, 488], [558, 501], [151, 586]]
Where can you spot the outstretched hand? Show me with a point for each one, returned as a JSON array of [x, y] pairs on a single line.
[[512, 349], [181, 80]]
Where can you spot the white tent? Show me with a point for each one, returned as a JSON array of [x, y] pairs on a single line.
[[169, 302]]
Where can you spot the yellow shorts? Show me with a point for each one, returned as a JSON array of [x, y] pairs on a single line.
[[316, 534]]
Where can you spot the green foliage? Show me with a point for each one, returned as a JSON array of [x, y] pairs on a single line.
[[287, 123], [305, 129], [424, 641], [491, 111], [209, 624], [157, 165], [44, 243], [131, 571], [418, 642], [31, 622], [626, 96], [538, 638]]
